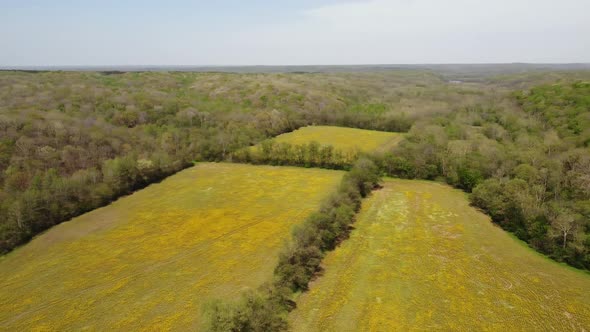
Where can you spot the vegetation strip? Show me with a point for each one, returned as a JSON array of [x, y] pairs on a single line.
[[266, 308], [305, 155]]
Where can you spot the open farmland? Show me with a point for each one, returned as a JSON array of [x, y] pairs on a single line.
[[344, 139], [421, 259], [150, 260]]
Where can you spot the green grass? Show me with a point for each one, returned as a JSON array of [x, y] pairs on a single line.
[[345, 139], [422, 259], [150, 261]]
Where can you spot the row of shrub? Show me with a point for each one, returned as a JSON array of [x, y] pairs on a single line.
[[266, 308], [312, 154]]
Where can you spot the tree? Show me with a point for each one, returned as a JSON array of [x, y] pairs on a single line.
[[364, 175], [313, 150], [468, 177], [564, 222]]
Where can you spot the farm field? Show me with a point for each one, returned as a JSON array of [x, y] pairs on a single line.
[[344, 139], [151, 260], [422, 259]]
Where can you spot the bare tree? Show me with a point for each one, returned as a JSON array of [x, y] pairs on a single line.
[[564, 223]]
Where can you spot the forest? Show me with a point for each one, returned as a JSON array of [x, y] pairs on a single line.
[[519, 143], [530, 171]]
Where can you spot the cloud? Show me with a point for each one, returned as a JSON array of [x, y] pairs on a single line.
[[433, 31], [340, 32], [427, 13]]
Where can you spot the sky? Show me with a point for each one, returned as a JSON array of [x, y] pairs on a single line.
[[303, 32]]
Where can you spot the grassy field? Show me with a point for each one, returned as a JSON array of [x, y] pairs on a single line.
[[340, 138], [422, 259], [150, 261]]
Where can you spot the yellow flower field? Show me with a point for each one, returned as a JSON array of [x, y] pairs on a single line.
[[344, 139], [422, 259], [150, 261]]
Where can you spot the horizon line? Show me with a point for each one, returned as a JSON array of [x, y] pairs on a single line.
[[300, 65]]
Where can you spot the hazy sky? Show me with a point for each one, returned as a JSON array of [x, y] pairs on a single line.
[[274, 32]]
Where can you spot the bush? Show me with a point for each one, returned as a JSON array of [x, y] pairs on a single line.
[[300, 261], [257, 311]]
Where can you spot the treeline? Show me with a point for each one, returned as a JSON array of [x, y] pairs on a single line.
[[266, 308], [50, 199], [532, 179], [55, 170], [311, 154]]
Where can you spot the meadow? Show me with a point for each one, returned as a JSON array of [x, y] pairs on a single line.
[[319, 146], [421, 258], [151, 260], [343, 139]]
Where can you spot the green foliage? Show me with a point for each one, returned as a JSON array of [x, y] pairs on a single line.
[[257, 311], [468, 178], [311, 154], [566, 107]]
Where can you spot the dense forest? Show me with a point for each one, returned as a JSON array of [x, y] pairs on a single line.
[[74, 141], [528, 168]]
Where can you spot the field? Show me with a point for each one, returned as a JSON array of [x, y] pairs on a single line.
[[422, 259], [344, 139], [150, 260]]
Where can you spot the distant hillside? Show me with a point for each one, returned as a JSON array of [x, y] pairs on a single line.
[[451, 70]]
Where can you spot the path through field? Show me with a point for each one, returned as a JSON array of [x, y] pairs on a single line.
[[422, 259]]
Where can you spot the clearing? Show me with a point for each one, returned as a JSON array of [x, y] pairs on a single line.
[[150, 260], [344, 139], [422, 259]]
